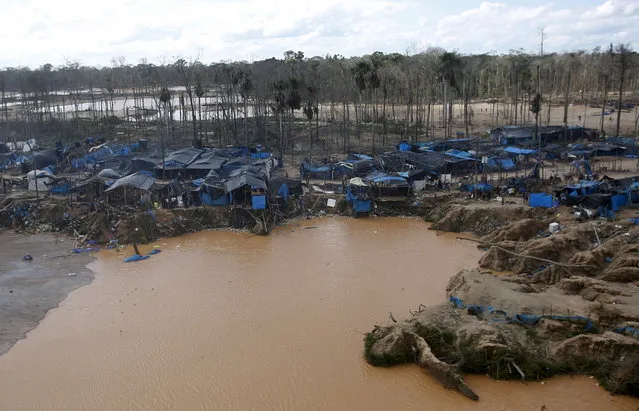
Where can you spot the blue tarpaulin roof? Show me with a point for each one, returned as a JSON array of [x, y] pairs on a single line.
[[521, 151], [583, 184], [138, 180], [459, 154], [359, 156], [506, 163], [383, 178], [316, 169]]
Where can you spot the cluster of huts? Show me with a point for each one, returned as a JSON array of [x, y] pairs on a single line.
[[435, 164], [136, 175], [139, 174], [603, 197]]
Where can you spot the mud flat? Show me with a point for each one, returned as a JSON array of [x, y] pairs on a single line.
[[28, 289], [540, 305]]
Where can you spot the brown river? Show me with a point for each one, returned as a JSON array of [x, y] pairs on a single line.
[[231, 321]]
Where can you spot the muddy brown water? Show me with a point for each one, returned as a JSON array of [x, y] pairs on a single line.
[[227, 321]]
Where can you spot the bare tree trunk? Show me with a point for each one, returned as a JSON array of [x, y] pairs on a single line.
[[566, 104], [622, 72], [603, 105], [385, 135]]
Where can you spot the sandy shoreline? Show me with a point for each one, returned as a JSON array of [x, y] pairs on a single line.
[[28, 290]]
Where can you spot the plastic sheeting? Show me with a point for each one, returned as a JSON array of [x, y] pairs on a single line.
[[209, 160], [386, 179], [519, 151], [108, 173], [361, 206], [618, 201], [523, 319], [258, 202], [540, 200], [138, 180]]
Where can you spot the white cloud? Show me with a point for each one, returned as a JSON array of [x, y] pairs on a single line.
[[36, 32], [500, 27]]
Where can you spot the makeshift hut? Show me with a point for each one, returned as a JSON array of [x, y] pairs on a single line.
[[358, 194], [135, 188], [386, 185], [38, 180]]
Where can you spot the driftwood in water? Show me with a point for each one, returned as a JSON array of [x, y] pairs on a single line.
[[443, 372]]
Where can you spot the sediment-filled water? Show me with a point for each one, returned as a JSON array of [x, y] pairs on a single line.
[[223, 321]]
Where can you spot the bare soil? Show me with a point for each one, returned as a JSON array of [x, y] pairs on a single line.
[[576, 291]]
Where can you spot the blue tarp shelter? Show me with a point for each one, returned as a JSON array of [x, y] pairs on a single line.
[[541, 200], [618, 201], [460, 154], [357, 193], [362, 206], [258, 202], [378, 177], [359, 156], [308, 170], [582, 188], [519, 151], [482, 187]]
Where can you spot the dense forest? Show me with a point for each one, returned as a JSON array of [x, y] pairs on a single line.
[[330, 100]]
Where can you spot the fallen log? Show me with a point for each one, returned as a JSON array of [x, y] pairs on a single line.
[[443, 372]]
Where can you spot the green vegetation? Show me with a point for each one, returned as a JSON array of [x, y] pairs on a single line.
[[440, 341], [385, 360]]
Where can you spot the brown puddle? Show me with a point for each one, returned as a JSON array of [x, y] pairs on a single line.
[[229, 321]]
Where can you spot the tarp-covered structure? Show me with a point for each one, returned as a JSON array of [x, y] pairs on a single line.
[[522, 135], [356, 168], [109, 174], [387, 185], [519, 151], [207, 161], [144, 164], [140, 181], [284, 187], [42, 159], [358, 194], [540, 200], [310, 171], [38, 180], [178, 160], [237, 185]]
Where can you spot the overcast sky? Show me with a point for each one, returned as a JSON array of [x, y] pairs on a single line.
[[35, 32]]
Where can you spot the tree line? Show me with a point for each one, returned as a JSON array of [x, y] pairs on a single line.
[[330, 102]]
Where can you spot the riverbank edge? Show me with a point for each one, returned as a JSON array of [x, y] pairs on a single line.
[[451, 339], [29, 290]]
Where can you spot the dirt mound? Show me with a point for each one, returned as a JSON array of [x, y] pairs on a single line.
[[576, 247], [522, 230], [483, 219], [608, 345], [493, 328]]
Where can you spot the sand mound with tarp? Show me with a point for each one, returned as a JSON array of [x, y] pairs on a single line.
[[490, 326]]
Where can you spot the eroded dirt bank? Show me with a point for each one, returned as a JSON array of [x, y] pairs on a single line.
[[540, 305]]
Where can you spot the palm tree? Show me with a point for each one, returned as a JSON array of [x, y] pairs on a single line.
[[279, 108], [199, 92], [246, 86], [449, 65], [311, 111], [361, 73], [165, 99]]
